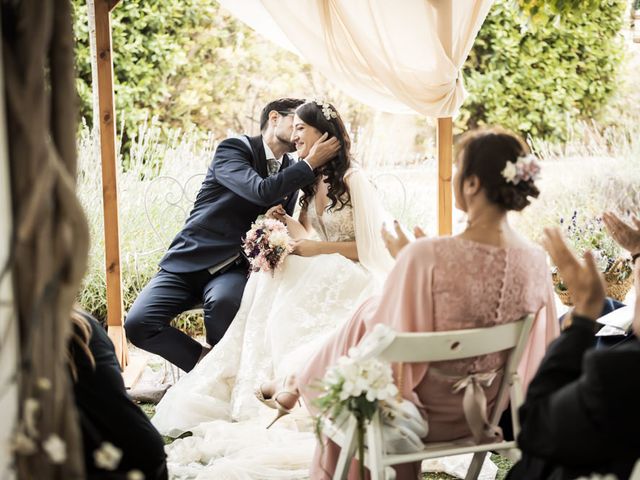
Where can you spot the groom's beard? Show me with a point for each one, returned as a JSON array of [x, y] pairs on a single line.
[[287, 143]]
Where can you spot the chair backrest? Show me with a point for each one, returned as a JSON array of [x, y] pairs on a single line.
[[455, 344], [459, 344]]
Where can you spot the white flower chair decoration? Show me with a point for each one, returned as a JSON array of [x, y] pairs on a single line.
[[435, 347]]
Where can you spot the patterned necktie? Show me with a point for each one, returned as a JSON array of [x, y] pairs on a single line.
[[273, 166]]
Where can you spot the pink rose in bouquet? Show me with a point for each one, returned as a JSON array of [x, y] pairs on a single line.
[[267, 244]]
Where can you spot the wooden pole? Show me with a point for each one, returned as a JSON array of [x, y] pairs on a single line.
[[106, 122], [445, 166], [445, 128]]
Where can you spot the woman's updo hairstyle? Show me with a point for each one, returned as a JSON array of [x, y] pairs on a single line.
[[485, 154]]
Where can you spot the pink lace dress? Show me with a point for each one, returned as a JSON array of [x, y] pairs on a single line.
[[446, 283]]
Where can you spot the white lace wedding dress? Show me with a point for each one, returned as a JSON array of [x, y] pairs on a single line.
[[281, 320]]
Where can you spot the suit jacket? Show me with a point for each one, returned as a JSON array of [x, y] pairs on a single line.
[[234, 192], [582, 411], [107, 414]]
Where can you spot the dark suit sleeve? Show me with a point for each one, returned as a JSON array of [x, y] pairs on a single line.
[[232, 168], [562, 402], [107, 414]]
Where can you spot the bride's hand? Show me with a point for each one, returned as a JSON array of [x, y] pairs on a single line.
[[397, 242], [277, 213], [305, 248]]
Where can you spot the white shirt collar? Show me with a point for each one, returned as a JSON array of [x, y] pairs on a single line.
[[269, 154]]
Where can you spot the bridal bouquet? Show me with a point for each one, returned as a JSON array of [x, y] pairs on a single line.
[[267, 244]]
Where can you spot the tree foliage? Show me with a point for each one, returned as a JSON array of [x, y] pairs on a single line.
[[537, 79], [188, 62]]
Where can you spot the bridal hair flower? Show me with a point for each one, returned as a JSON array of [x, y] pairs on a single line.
[[327, 111], [524, 169]]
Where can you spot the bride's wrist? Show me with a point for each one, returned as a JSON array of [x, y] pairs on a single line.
[[318, 247]]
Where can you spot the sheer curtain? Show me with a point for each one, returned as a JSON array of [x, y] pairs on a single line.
[[395, 56]]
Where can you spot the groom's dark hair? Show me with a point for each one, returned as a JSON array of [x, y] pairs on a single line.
[[279, 105]]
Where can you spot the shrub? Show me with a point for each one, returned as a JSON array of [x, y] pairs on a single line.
[[538, 81], [189, 62], [154, 197]]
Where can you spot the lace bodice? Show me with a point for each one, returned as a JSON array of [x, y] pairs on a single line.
[[333, 225], [498, 285]]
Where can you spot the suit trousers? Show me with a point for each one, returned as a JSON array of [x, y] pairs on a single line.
[[168, 294]]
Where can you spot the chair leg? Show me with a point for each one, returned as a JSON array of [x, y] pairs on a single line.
[[375, 448], [347, 450], [390, 473], [476, 466]]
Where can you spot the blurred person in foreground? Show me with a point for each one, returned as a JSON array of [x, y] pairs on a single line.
[[581, 412], [118, 439]]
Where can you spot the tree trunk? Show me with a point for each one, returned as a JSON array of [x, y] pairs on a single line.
[[50, 244]]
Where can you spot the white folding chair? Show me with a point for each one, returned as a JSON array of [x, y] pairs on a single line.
[[436, 347]]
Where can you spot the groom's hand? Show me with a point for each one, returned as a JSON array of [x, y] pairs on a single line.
[[322, 151], [277, 213]]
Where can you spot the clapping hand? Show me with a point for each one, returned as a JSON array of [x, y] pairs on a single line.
[[583, 279], [623, 233], [628, 238], [397, 242]]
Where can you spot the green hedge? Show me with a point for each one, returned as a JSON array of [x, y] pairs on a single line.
[[539, 78], [188, 62]]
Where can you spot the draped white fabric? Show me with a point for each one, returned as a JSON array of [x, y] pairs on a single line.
[[369, 216], [395, 56]]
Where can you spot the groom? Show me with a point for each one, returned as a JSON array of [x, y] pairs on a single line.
[[247, 176]]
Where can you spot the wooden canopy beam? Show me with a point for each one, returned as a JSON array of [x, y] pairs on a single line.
[[445, 168], [445, 129], [106, 123], [112, 4]]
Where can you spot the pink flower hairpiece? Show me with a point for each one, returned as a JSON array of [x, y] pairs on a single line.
[[524, 169]]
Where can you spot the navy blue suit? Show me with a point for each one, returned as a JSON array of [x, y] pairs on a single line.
[[581, 413], [234, 192]]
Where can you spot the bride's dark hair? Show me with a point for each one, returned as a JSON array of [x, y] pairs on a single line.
[[316, 116]]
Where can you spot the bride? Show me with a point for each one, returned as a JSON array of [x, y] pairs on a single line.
[[282, 319]]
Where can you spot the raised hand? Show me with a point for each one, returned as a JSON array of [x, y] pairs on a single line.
[[397, 242], [323, 150], [623, 233], [418, 232], [583, 279]]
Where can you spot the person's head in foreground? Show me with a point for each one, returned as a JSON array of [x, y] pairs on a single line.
[[495, 168], [313, 121]]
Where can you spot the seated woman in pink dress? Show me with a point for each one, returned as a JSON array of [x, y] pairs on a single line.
[[488, 275]]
